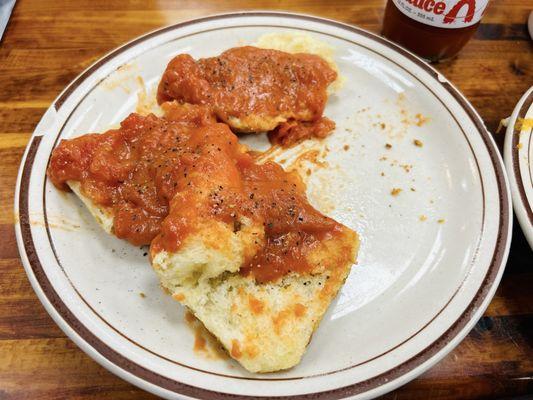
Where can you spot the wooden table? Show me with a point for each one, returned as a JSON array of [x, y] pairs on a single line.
[[48, 43]]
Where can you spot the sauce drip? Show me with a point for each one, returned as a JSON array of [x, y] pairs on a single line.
[[292, 132]]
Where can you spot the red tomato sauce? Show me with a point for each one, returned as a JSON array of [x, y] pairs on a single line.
[[256, 86], [160, 176]]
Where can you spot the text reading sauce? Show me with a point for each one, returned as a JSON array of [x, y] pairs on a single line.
[[434, 29]]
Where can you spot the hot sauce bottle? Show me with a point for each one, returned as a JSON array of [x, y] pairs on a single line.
[[434, 29]]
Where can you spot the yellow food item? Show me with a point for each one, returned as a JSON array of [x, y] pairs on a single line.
[[266, 327]]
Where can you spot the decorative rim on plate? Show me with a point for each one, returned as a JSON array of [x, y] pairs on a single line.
[[154, 382], [518, 143]]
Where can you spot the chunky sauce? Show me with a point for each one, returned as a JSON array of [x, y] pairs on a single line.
[[130, 170], [256, 86], [292, 132], [160, 177]]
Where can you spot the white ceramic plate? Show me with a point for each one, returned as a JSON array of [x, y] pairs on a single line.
[[518, 154], [419, 285]]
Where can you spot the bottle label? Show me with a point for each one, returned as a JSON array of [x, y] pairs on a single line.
[[443, 13]]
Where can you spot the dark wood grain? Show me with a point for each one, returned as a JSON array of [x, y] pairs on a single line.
[[48, 43]]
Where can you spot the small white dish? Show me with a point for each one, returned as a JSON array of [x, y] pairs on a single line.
[[518, 155], [431, 257]]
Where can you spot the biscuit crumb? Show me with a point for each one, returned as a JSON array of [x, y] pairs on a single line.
[[382, 174], [413, 189], [519, 146], [406, 167], [422, 218], [388, 146], [502, 124], [382, 125], [346, 147], [523, 124], [142, 295], [418, 143], [395, 191], [440, 221], [420, 119]]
